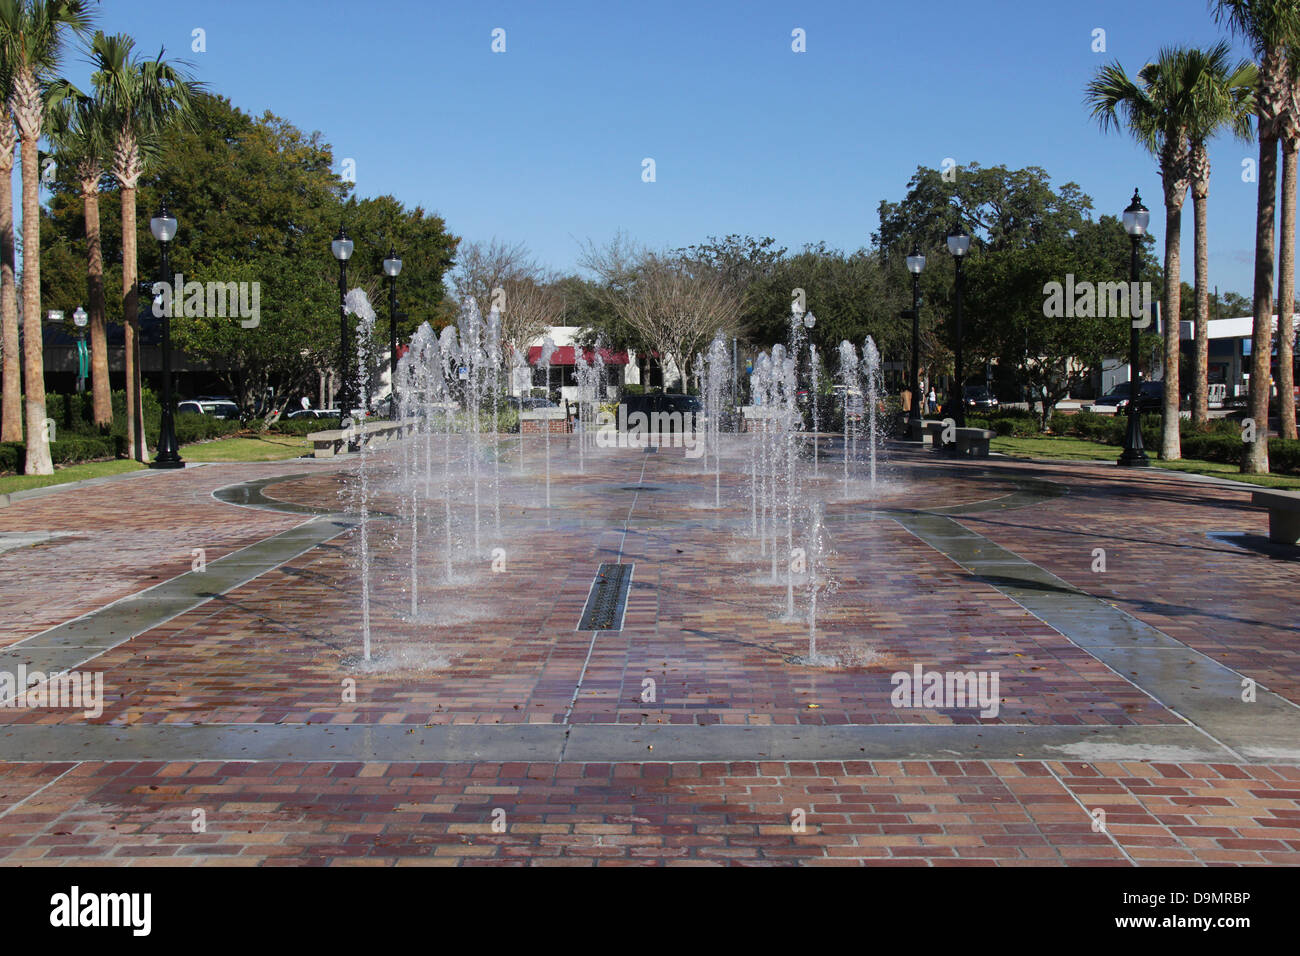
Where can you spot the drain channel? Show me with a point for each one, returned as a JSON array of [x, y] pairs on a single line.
[[608, 599]]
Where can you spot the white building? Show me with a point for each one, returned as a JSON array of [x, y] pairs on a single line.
[[1230, 351], [621, 366]]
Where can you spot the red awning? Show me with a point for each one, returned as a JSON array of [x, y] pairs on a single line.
[[566, 355]]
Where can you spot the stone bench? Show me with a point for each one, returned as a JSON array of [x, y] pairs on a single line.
[[921, 433], [1283, 514], [335, 441], [967, 442]]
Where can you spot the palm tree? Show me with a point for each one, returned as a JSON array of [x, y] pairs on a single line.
[[140, 98], [1272, 27], [11, 419], [1289, 138], [31, 41], [79, 133], [1224, 99], [1158, 109]]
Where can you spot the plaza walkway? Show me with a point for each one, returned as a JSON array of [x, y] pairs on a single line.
[[1146, 712]]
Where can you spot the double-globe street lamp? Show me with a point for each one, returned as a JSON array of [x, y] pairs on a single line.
[[342, 249], [959, 245], [80, 319], [1136, 220], [915, 263], [392, 267], [163, 226]]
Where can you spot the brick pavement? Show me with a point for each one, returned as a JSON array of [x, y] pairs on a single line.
[[915, 813], [704, 622]]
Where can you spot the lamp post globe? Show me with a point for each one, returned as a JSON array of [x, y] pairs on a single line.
[[392, 268], [81, 319], [915, 264], [958, 246], [341, 247]]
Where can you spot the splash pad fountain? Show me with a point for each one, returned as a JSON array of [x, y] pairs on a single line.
[[460, 489]]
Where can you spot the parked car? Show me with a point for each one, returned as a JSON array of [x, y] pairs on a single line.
[[978, 396], [206, 405], [650, 404], [1151, 397]]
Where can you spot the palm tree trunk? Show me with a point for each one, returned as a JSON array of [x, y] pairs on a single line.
[[1170, 445], [128, 367], [1201, 366], [1255, 457], [38, 447], [131, 308], [99, 386], [11, 419], [1286, 293]]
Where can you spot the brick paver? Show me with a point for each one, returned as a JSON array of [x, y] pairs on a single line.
[[704, 623], [916, 813]]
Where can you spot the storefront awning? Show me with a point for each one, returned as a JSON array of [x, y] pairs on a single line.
[[567, 355]]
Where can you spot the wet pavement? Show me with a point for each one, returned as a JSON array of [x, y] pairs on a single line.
[[1156, 680]]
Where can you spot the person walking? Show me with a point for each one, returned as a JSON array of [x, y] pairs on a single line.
[[932, 401]]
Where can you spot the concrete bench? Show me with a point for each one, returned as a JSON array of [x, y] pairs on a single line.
[[335, 441], [966, 443], [923, 435], [1283, 514]]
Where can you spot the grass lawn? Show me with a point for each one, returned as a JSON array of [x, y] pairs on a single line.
[[1078, 449], [1073, 449], [267, 447], [92, 469], [261, 448]]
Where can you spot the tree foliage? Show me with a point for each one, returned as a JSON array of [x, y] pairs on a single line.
[[257, 201]]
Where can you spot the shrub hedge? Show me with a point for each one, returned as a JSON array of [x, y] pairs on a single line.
[[1218, 440], [301, 426], [78, 439], [63, 451]]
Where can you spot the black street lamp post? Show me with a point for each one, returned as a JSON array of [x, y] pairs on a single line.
[[163, 227], [392, 267], [959, 245], [80, 319], [342, 249], [915, 263], [1136, 219]]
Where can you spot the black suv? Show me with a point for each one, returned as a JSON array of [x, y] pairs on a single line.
[[1151, 397], [978, 396], [649, 404]]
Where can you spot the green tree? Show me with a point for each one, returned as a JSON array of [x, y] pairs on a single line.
[[1289, 140], [1160, 111], [141, 98], [32, 37], [1010, 323], [1272, 28], [11, 417], [80, 135], [846, 292], [257, 202], [1004, 210], [1224, 100]]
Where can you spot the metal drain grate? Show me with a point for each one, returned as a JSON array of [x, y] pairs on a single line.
[[608, 599]]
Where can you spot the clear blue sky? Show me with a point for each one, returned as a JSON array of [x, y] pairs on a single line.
[[544, 143]]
